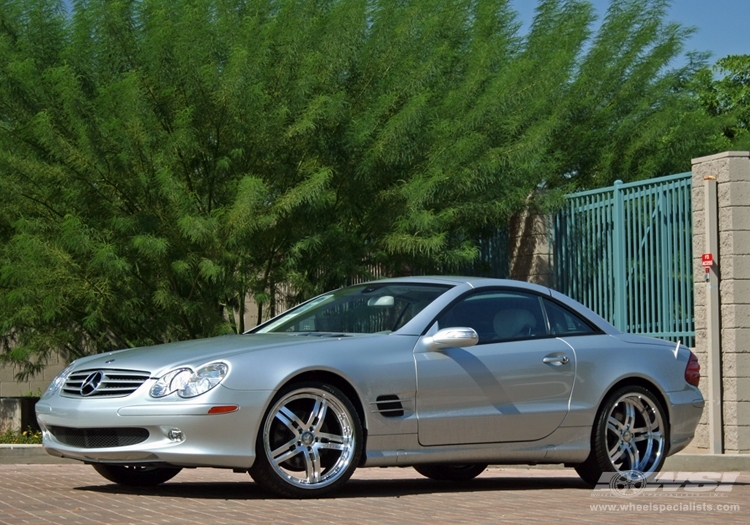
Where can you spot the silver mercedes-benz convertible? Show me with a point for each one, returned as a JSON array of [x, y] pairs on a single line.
[[444, 374]]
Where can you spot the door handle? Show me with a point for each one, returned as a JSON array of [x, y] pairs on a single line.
[[556, 360]]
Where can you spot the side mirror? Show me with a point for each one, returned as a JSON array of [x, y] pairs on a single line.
[[453, 337]]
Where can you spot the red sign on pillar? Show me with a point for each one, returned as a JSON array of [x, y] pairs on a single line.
[[707, 259]]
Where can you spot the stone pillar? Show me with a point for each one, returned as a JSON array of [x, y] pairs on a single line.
[[732, 172]]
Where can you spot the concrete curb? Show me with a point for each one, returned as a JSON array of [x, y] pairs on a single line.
[[30, 454], [708, 463]]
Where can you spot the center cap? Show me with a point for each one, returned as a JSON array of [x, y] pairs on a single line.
[[307, 437], [627, 436]]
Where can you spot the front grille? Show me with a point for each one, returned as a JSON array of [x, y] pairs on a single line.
[[104, 383], [99, 437]]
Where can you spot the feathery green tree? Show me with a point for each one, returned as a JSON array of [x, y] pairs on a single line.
[[162, 160], [727, 99]]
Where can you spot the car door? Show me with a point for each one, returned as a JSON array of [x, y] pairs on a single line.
[[514, 385]]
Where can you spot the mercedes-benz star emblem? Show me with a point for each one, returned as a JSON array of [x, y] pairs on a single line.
[[91, 383]]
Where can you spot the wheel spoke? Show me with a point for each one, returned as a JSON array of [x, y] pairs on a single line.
[[641, 463], [629, 415], [312, 465], [648, 454], [332, 438], [617, 451], [644, 429], [632, 453], [318, 415], [285, 449], [284, 452], [614, 425], [290, 420], [651, 436], [331, 446]]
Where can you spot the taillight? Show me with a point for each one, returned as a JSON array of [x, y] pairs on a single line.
[[693, 370]]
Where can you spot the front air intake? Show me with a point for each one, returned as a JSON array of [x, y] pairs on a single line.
[[99, 437]]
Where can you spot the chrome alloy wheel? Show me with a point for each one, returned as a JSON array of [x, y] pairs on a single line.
[[635, 435], [309, 438]]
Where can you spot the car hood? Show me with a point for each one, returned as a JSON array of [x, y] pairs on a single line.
[[160, 358]]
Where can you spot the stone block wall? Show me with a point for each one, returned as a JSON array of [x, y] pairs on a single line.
[[34, 386], [17, 397], [731, 170]]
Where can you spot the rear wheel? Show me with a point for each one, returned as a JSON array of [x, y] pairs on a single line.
[[630, 435], [451, 471], [136, 475], [310, 441]]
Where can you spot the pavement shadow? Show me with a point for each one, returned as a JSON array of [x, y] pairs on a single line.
[[355, 488]]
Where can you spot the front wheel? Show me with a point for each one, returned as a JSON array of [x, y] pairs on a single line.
[[451, 472], [310, 441], [630, 435], [136, 475]]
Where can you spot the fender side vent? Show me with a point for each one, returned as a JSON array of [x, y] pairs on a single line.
[[390, 406]]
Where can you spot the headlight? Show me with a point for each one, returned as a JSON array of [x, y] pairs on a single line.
[[204, 379], [57, 383], [171, 382], [188, 383]]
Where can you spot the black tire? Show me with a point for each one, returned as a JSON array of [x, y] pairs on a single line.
[[630, 434], [451, 471], [309, 442], [136, 475]]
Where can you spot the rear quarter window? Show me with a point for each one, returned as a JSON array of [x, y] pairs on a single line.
[[564, 322]]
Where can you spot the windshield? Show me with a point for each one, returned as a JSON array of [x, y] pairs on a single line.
[[361, 309]]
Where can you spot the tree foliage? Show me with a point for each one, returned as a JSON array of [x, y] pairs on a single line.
[[727, 100], [161, 160]]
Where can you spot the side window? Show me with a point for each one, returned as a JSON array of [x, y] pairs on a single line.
[[564, 322], [498, 315]]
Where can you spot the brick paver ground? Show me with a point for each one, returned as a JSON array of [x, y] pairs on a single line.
[[76, 494]]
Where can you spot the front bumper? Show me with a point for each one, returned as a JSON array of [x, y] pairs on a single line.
[[207, 440]]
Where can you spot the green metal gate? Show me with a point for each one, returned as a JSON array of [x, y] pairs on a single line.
[[626, 253]]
